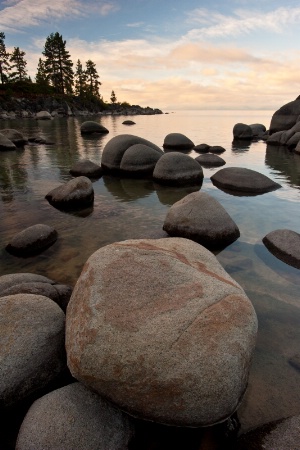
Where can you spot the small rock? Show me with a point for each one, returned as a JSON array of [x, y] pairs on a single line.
[[75, 194], [285, 245], [32, 240], [6, 144], [90, 127], [217, 149], [43, 115], [209, 160], [178, 141], [86, 168], [128, 122], [202, 148]]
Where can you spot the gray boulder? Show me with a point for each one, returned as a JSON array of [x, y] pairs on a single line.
[[210, 160], [243, 180], [139, 159], [75, 194], [286, 135], [43, 115], [31, 345], [115, 149], [200, 217], [91, 127], [293, 140], [14, 136], [177, 169], [286, 116], [159, 328], [74, 417], [177, 141], [242, 131], [6, 144], [32, 240], [202, 148], [217, 149], [258, 129], [86, 168], [9, 280], [285, 245], [276, 138]]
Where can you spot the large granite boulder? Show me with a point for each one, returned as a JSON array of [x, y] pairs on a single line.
[[178, 141], [285, 245], [91, 127], [200, 217], [242, 131], [32, 240], [115, 149], [6, 144], [31, 345], [139, 160], [86, 168], [74, 417], [29, 283], [286, 116], [243, 180], [14, 136], [75, 194], [159, 328], [43, 115], [210, 160], [177, 169]]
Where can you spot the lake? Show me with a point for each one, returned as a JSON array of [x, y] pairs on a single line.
[[125, 209]]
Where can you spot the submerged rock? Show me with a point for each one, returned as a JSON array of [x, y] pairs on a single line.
[[128, 122], [159, 328], [285, 245], [77, 193], [177, 169], [32, 240], [86, 168]]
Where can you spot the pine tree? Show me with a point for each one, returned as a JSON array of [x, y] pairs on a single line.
[[41, 76], [80, 80], [58, 65], [4, 56], [92, 79], [113, 97], [18, 71]]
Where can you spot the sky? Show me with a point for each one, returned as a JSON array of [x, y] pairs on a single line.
[[171, 54]]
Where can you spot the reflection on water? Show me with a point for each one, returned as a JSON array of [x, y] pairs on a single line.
[[127, 208]]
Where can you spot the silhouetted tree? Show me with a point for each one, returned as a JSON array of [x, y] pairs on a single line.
[[18, 71], [80, 80], [92, 78], [58, 64], [113, 97], [41, 76], [4, 57]]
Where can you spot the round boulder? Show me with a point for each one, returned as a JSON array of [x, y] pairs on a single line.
[[200, 217], [74, 417], [178, 141], [242, 131], [177, 169], [32, 240], [15, 136], [243, 180], [128, 122], [258, 129], [285, 245], [86, 168], [202, 148], [75, 194], [210, 160], [286, 116], [159, 328], [115, 149], [31, 345], [139, 159], [217, 149], [91, 127], [43, 115], [6, 144]]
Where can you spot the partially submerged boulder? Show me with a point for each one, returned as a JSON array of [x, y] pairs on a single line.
[[210, 160], [258, 129], [87, 168], [73, 417], [177, 169], [202, 148], [91, 127], [243, 180], [32, 240], [15, 136], [242, 131], [286, 116], [139, 159], [75, 194], [177, 141], [217, 149], [200, 217], [285, 245], [6, 144], [43, 115], [128, 122]]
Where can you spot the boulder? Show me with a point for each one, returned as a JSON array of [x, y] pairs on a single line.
[[285, 245], [177, 141], [200, 217], [242, 131], [210, 160], [32, 240], [216, 149], [285, 136], [293, 140], [258, 129], [43, 115], [90, 127], [202, 148], [159, 328], [6, 144], [286, 116], [73, 417], [9, 280], [31, 345], [115, 149], [275, 138], [86, 168], [245, 180], [139, 159], [128, 122], [14, 136], [177, 169], [297, 149], [75, 194]]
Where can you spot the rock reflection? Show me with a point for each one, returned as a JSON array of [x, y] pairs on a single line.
[[13, 177], [128, 189], [168, 195], [240, 145], [285, 162]]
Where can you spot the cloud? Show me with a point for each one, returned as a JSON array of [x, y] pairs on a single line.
[[135, 24], [243, 21]]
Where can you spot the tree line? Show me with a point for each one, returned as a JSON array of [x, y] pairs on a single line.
[[55, 69]]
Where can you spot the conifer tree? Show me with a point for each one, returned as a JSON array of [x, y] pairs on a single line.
[[58, 64], [18, 71], [113, 97], [92, 78], [80, 80], [4, 57], [41, 76]]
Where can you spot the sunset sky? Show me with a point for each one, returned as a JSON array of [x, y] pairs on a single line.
[[171, 54]]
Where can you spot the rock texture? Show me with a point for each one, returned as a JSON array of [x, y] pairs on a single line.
[[177, 141], [32, 240], [159, 328], [200, 217], [77, 193], [91, 127], [86, 168], [286, 116], [73, 417], [243, 180], [177, 169], [31, 345], [285, 245]]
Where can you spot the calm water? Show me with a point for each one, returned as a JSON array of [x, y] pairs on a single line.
[[125, 208]]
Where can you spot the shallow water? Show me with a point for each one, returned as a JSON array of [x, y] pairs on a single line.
[[125, 208]]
